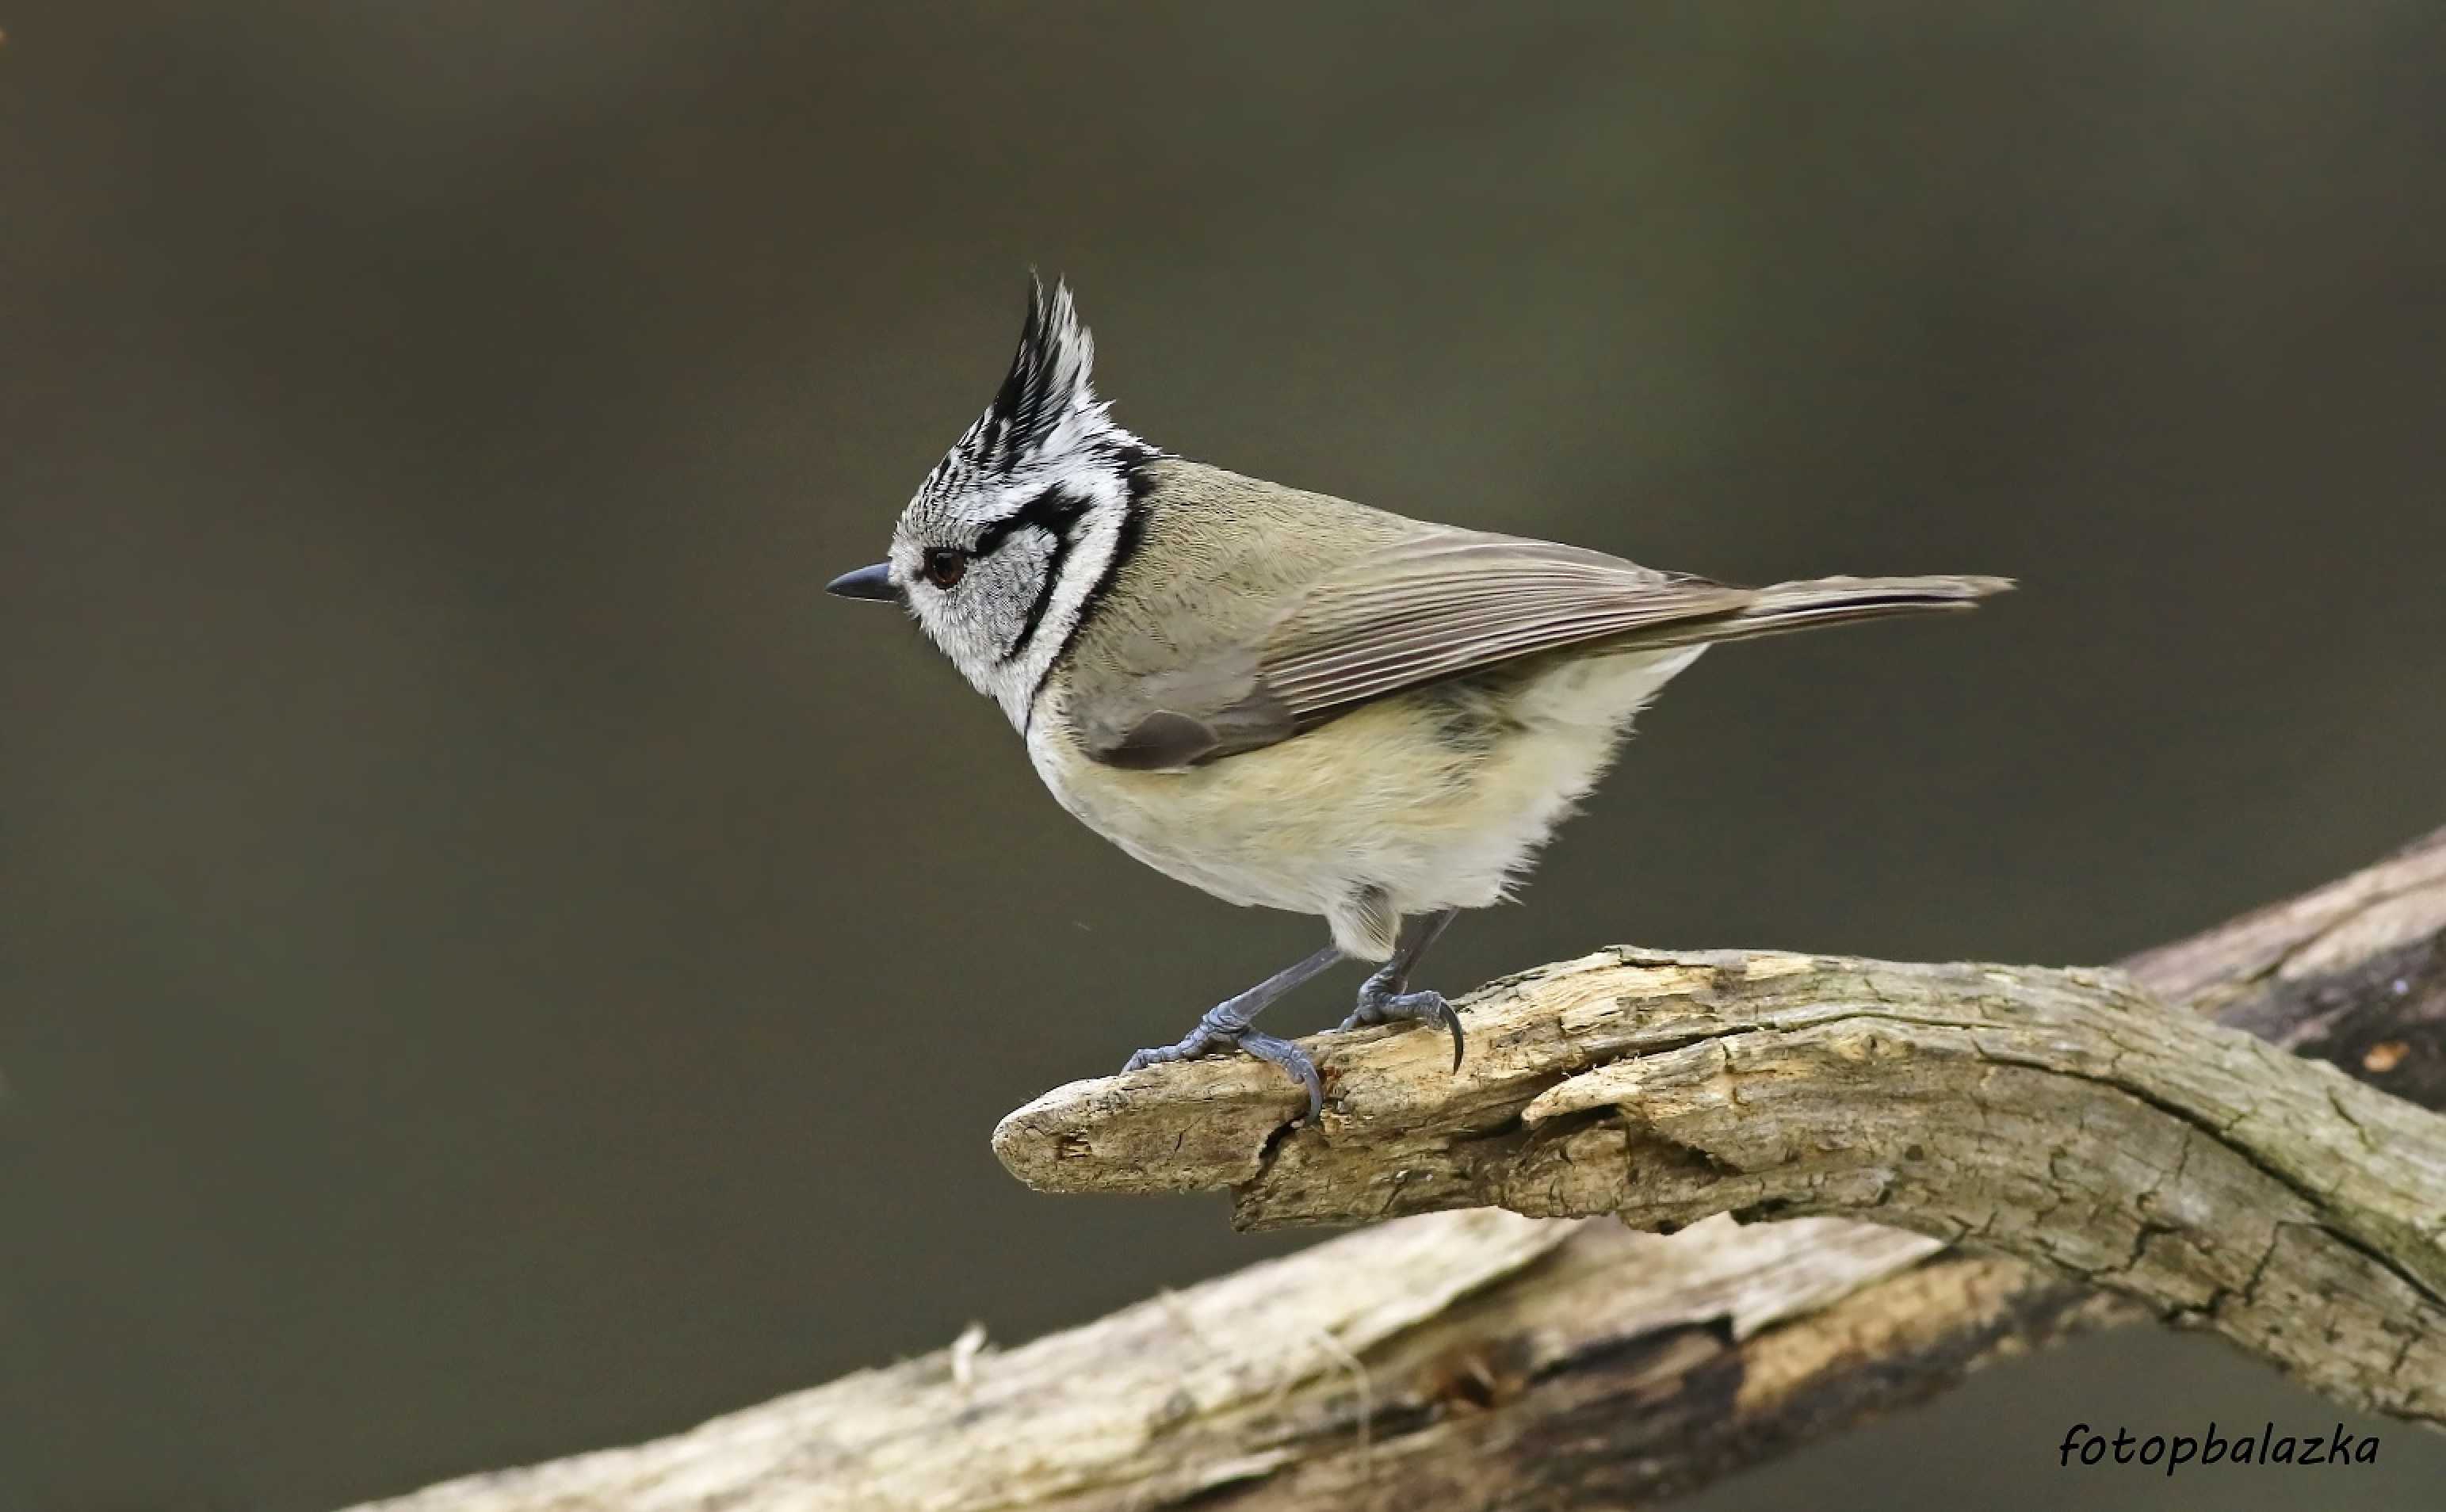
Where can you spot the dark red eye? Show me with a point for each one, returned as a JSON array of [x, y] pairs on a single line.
[[944, 566]]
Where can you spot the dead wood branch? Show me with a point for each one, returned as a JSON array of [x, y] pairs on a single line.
[[2064, 1117], [1455, 1357]]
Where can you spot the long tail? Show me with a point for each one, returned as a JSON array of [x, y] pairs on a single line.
[[1829, 601]]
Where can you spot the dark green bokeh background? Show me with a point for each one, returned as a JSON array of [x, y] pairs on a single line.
[[492, 962]]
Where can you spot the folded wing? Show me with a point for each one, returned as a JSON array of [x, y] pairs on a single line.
[[1440, 604]]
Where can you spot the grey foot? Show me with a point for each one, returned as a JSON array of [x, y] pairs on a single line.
[[1225, 1026], [1381, 1002], [1209, 1037]]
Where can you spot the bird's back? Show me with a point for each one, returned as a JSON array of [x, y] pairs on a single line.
[[1219, 557]]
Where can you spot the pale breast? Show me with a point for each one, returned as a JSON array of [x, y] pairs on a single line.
[[1436, 797]]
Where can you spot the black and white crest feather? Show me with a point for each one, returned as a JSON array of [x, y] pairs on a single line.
[[1046, 407]]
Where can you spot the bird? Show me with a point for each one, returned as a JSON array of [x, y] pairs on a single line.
[[1289, 699]]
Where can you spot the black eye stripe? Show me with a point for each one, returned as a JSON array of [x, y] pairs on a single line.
[[1054, 512]]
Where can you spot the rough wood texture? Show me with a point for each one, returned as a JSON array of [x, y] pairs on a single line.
[[1473, 1358], [2063, 1117]]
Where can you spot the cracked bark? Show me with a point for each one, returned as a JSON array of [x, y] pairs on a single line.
[[2144, 1163]]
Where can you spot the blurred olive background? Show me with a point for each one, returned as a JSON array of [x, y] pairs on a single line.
[[492, 962]]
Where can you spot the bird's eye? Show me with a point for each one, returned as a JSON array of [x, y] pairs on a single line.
[[944, 566]]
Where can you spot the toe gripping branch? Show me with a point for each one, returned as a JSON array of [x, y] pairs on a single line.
[[1229, 1025], [1422, 1007]]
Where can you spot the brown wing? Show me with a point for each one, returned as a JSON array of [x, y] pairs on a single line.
[[1436, 606]]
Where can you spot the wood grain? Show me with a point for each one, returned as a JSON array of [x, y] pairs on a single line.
[[1477, 1357]]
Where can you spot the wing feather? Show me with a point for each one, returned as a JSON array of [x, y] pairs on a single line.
[[1439, 604], [1456, 601]]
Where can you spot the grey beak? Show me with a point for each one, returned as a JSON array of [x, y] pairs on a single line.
[[866, 583]]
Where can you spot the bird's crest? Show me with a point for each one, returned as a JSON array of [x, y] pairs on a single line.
[[1047, 409]]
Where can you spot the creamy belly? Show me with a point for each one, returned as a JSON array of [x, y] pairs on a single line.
[[1437, 798]]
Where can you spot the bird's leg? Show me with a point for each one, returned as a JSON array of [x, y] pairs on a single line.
[[1385, 998], [1226, 1026]]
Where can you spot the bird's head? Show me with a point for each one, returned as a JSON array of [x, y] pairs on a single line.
[[1009, 539]]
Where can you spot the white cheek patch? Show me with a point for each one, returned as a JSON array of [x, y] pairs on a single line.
[[1079, 568]]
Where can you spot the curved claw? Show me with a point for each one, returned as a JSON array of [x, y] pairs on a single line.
[[1452, 1021], [1433, 1007], [1291, 1058], [1423, 1007]]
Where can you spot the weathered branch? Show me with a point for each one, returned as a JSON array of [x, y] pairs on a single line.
[[2065, 1117], [1446, 1358]]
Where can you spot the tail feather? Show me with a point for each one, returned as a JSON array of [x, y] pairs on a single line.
[[1832, 600], [1806, 605]]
